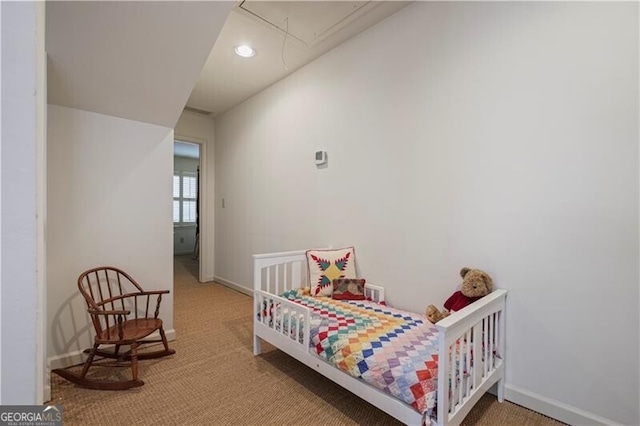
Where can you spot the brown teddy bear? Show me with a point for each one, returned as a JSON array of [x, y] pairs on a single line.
[[475, 284]]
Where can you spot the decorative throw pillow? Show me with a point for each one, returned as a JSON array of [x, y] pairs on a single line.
[[326, 265], [348, 289]]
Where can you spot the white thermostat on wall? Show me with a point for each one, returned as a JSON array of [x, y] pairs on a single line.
[[321, 157]]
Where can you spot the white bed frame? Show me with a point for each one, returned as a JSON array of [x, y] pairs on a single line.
[[278, 272]]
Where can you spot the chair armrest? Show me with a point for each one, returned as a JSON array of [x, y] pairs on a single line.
[[116, 312], [143, 293], [152, 292], [136, 294]]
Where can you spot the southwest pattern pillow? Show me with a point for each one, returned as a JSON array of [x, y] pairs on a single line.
[[326, 265], [348, 289]]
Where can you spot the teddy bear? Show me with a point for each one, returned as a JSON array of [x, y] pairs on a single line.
[[304, 291], [475, 284]]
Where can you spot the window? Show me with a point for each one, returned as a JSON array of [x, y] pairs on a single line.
[[185, 192]]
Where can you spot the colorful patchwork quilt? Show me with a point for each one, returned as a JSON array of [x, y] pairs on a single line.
[[393, 350]]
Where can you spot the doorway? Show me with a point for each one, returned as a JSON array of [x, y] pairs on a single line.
[[186, 205]]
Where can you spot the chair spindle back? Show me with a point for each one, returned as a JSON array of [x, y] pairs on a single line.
[[109, 289]]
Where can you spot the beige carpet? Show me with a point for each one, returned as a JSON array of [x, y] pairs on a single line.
[[214, 379]]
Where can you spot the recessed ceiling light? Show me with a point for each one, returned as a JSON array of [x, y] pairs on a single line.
[[245, 51]]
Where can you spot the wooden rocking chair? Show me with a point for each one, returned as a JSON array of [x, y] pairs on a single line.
[[119, 310]]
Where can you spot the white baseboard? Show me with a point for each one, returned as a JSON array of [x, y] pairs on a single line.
[[66, 360], [234, 286], [553, 408], [47, 392], [171, 334], [78, 357]]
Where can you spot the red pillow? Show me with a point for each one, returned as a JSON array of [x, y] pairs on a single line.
[[348, 289]]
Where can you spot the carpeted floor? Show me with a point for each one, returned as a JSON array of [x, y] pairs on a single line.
[[214, 379]]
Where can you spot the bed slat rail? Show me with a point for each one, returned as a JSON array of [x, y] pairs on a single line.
[[279, 272], [286, 318], [374, 292], [471, 349], [274, 274]]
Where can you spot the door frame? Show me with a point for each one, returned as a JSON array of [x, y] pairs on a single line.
[[203, 226]]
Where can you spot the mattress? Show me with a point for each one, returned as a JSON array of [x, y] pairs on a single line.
[[393, 350]]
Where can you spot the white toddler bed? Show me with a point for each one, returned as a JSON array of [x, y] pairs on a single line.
[[480, 363]]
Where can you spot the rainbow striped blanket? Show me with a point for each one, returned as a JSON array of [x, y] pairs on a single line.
[[393, 350]]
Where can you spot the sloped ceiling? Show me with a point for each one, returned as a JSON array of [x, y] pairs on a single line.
[[133, 60], [287, 35]]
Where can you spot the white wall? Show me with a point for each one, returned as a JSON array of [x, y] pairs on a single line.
[[20, 126], [109, 203], [43, 388], [184, 236], [502, 136], [200, 129]]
